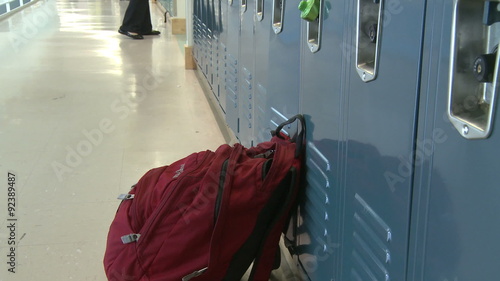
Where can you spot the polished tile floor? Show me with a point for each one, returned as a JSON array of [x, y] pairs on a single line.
[[84, 112]]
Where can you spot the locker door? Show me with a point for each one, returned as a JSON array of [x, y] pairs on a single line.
[[222, 52], [197, 16], [232, 65], [214, 51], [246, 73], [284, 62], [322, 78], [380, 124], [277, 64], [456, 228], [263, 9], [209, 40], [204, 35]]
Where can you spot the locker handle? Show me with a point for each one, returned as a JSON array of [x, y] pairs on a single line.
[[368, 34], [314, 17], [278, 15], [474, 67], [243, 6], [259, 10]]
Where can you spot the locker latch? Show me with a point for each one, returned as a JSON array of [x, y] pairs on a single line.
[[474, 60], [259, 10], [312, 12], [368, 32], [278, 14], [243, 7]]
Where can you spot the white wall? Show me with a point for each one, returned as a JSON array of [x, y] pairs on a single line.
[[181, 8]]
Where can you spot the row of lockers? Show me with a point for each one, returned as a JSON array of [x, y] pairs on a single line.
[[9, 6], [399, 95]]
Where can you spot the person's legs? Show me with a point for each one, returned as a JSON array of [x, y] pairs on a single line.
[[146, 25], [137, 17]]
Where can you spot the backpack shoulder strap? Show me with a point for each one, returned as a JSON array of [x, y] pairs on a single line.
[[265, 258]]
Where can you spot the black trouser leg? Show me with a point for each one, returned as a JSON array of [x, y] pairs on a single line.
[[137, 17]]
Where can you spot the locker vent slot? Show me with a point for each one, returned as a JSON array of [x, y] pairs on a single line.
[[264, 131], [277, 118], [246, 88], [318, 157], [208, 54], [232, 80], [371, 239], [233, 98], [317, 214], [221, 74]]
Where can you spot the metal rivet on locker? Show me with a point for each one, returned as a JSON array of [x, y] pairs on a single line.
[[465, 130]]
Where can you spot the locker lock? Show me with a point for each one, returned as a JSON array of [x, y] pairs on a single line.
[[372, 33], [473, 48], [309, 9], [484, 67], [368, 33]]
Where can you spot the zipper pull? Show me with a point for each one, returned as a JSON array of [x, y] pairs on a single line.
[[130, 238], [194, 274], [265, 154]]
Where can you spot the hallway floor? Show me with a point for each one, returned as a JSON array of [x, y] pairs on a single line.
[[84, 113]]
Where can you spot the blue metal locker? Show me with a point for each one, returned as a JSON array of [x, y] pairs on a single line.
[[381, 105], [246, 73], [455, 222], [359, 89], [232, 65], [221, 52], [262, 68], [323, 72], [277, 65], [208, 35], [212, 45], [204, 36], [197, 46]]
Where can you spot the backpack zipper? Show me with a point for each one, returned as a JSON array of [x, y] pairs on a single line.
[[194, 274], [265, 154], [222, 180], [266, 166]]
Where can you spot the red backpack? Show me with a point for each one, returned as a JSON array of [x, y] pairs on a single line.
[[208, 216]]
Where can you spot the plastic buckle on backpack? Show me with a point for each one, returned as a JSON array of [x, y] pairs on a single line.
[[126, 196], [194, 274], [130, 238]]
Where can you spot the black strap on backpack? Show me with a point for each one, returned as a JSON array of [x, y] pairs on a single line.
[[299, 138]]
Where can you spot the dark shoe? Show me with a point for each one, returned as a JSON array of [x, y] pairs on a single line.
[[152, 32], [133, 36]]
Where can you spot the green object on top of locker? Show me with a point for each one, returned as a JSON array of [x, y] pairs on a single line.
[[309, 9]]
